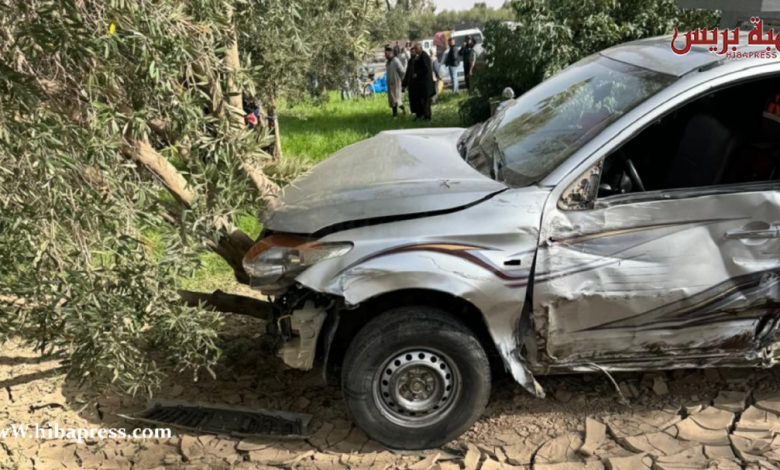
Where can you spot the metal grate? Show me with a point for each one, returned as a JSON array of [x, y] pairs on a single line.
[[217, 419]]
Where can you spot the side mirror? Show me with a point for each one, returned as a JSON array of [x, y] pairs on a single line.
[[508, 93]]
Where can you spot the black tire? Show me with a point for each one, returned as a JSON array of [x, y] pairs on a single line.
[[422, 330]]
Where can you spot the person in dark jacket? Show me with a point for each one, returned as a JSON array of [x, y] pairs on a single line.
[[407, 83], [419, 78], [469, 56], [421, 84], [452, 62]]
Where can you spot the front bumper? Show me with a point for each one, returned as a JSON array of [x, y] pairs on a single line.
[[299, 351]]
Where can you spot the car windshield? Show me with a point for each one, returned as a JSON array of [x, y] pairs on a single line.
[[533, 135]]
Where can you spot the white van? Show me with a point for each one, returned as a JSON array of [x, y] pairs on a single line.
[[460, 37]]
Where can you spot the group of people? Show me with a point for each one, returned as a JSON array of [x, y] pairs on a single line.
[[419, 73], [453, 56]]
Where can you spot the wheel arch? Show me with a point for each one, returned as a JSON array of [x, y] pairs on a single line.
[[350, 321]]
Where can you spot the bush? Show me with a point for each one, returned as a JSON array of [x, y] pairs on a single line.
[[552, 34]]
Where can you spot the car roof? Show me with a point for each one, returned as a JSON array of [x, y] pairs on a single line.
[[656, 54], [464, 32]]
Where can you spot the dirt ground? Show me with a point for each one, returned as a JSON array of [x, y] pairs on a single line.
[[719, 419]]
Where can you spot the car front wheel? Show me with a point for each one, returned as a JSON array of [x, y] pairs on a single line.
[[415, 378]]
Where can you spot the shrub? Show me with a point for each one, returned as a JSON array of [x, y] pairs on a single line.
[[551, 34]]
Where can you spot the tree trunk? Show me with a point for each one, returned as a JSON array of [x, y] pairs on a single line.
[[232, 247], [262, 121], [277, 152], [234, 93], [229, 303]]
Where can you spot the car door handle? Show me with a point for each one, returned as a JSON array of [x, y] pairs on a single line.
[[771, 231]]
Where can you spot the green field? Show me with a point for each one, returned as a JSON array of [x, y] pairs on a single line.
[[312, 132]]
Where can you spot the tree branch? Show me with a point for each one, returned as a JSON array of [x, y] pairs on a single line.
[[160, 127], [234, 243], [277, 149], [228, 303], [232, 247], [141, 152], [233, 63], [266, 188]]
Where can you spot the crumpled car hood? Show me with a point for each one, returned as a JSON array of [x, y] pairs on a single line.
[[395, 173]]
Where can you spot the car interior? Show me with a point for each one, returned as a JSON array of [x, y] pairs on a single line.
[[729, 137]]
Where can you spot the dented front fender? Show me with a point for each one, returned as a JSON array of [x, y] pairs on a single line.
[[483, 255]]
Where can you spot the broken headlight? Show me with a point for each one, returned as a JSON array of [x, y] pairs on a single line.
[[280, 256]]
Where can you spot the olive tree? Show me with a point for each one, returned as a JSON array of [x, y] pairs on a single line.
[[286, 45], [123, 157]]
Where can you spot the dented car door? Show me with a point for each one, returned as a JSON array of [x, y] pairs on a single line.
[[667, 278]]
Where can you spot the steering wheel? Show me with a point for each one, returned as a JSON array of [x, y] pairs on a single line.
[[632, 173]]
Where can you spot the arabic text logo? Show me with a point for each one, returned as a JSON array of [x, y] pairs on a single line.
[[725, 42]]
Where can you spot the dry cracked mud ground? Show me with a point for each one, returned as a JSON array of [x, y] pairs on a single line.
[[712, 419]]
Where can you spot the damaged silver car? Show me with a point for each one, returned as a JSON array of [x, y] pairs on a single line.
[[623, 215]]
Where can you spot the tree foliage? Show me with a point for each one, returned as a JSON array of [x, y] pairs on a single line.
[[123, 156], [476, 17], [552, 34], [424, 22], [286, 43]]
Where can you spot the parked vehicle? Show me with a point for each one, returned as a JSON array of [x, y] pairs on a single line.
[[623, 215]]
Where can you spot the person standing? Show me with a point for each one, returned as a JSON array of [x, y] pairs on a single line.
[[422, 87], [469, 60], [452, 62], [437, 81], [409, 85], [347, 82], [394, 75], [402, 57]]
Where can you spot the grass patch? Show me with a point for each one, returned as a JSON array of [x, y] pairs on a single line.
[[312, 132]]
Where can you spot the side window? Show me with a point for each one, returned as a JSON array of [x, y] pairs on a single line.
[[582, 194], [728, 138]]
